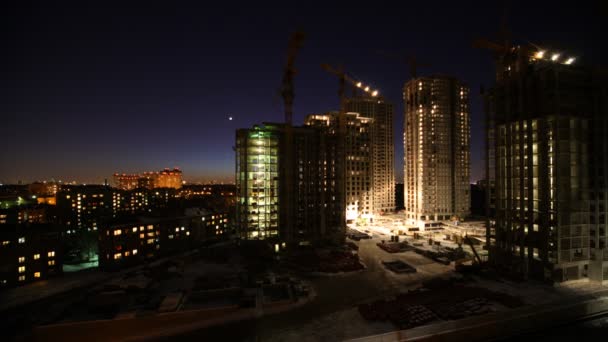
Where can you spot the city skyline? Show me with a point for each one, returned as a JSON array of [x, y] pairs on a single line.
[[145, 94], [376, 171]]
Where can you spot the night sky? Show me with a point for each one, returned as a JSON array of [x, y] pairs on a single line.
[[87, 91]]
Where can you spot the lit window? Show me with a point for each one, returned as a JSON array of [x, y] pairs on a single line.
[[117, 256], [187, 233], [135, 252], [21, 260], [21, 278], [4, 243], [134, 229], [142, 235], [117, 232], [150, 241], [51, 254], [51, 262], [170, 236], [22, 240], [36, 274], [177, 229], [127, 253], [36, 256], [182, 228], [21, 269], [150, 227]]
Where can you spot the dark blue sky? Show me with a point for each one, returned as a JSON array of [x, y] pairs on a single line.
[[90, 90]]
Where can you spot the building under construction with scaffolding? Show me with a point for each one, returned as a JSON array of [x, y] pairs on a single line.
[[547, 156]]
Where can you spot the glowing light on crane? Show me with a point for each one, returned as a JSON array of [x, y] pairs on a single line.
[[539, 54], [366, 89], [359, 84], [555, 57], [375, 93], [570, 60]]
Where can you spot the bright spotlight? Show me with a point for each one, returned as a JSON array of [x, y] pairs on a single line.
[[539, 54]]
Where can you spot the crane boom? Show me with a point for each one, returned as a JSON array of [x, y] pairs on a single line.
[[287, 92], [409, 60], [344, 77]]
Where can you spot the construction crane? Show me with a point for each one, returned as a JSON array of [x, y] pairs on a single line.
[[344, 77], [409, 60], [504, 43], [287, 91]]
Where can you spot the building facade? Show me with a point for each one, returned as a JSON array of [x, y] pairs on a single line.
[[83, 207], [29, 252], [141, 239], [437, 150], [166, 178], [547, 119], [287, 202], [382, 148], [359, 173]]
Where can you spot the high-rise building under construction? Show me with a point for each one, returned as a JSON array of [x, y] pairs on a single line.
[[311, 212], [436, 144], [358, 155], [547, 148], [382, 149]]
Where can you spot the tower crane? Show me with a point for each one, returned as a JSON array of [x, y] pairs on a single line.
[[287, 167], [344, 78], [409, 60], [287, 91]]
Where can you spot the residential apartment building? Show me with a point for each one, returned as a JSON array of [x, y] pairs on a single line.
[[359, 173], [287, 202], [166, 178], [382, 148], [547, 133], [138, 239], [29, 252], [437, 150]]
